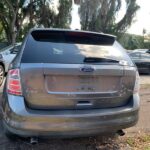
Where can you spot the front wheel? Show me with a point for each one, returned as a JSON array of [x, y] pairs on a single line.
[[2, 73]]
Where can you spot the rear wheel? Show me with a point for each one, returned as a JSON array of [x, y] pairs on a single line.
[[2, 73]]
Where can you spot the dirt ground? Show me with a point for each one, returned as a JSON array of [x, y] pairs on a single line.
[[132, 140]]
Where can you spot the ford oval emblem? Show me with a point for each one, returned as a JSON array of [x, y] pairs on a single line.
[[87, 69]]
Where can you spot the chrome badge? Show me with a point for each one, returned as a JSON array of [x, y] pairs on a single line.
[[87, 69]]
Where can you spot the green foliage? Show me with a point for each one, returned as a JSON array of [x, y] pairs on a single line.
[[63, 19], [18, 16], [100, 15], [1, 31], [131, 41], [47, 16], [12, 15]]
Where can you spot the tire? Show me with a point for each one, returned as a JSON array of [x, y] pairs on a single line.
[[2, 74]]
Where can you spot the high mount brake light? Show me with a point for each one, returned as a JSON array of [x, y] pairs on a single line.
[[13, 82]]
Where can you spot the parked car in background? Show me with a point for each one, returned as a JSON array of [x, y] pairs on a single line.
[[129, 51], [142, 60], [142, 50], [7, 54], [70, 83]]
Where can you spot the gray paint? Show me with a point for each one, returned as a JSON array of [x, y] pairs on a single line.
[[55, 103]]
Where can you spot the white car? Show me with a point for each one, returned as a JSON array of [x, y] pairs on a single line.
[[142, 50], [7, 54]]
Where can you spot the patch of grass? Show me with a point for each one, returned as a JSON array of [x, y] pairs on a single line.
[[141, 142], [130, 141], [147, 148], [145, 138]]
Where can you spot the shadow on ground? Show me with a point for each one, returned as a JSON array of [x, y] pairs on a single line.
[[92, 143]]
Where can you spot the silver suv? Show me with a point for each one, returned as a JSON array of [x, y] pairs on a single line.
[[70, 83]]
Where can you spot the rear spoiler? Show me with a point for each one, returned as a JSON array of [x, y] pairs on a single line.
[[72, 36]]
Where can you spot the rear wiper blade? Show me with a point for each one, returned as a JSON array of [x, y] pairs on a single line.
[[99, 60]]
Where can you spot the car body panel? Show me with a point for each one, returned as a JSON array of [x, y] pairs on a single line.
[[67, 123], [65, 92], [64, 86]]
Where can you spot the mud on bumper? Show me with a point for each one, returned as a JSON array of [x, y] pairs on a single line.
[[20, 120]]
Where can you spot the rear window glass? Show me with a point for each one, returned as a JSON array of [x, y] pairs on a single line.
[[69, 49]]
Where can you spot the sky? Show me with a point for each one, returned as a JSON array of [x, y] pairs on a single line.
[[141, 20]]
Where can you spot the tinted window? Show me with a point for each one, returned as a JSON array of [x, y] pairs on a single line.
[[145, 56], [55, 50], [148, 51], [135, 55], [72, 37]]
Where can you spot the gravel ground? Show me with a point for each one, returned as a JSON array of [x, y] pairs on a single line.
[[94, 143]]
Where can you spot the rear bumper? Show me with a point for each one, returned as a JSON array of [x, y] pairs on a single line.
[[66, 123]]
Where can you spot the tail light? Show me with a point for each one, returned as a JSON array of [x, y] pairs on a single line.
[[13, 82], [137, 83]]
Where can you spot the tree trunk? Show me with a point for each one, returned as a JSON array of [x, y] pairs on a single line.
[[13, 26]]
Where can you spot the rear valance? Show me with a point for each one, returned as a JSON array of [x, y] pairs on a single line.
[[73, 37]]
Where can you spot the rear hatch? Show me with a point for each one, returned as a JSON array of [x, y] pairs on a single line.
[[75, 70]]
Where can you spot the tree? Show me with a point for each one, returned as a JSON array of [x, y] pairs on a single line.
[[100, 15], [1, 31], [12, 15], [48, 17], [63, 19], [18, 16]]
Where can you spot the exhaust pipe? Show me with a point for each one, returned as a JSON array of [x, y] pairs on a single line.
[[33, 140], [121, 132]]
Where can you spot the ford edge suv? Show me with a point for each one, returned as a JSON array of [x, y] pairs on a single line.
[[66, 83]]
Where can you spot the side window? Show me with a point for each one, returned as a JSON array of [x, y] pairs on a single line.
[[145, 56], [148, 51], [135, 55]]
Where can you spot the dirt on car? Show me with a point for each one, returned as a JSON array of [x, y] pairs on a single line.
[[136, 138]]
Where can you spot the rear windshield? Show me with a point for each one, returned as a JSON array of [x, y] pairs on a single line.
[[72, 48]]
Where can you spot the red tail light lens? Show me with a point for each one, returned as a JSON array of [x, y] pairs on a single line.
[[13, 82]]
